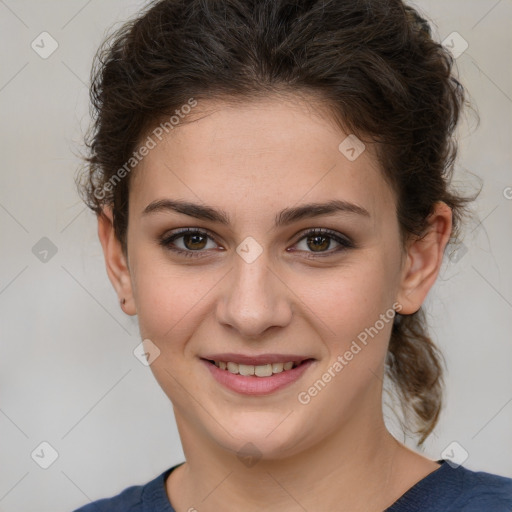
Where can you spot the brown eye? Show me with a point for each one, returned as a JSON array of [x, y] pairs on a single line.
[[194, 242], [188, 242], [319, 240]]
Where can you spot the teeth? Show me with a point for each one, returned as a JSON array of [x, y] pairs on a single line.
[[277, 367], [261, 370], [246, 369], [232, 367]]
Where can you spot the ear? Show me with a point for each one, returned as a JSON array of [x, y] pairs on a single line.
[[423, 260], [115, 261]]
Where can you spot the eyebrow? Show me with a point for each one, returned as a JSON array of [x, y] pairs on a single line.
[[283, 218]]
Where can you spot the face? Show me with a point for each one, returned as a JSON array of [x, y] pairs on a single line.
[[254, 285]]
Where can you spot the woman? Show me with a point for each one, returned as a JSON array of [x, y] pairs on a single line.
[[272, 185]]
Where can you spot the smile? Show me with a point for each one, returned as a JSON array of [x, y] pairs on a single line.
[[263, 378]]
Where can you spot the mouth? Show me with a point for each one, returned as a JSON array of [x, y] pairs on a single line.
[[261, 375]]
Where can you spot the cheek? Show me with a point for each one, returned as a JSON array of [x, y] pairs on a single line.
[[339, 300], [170, 300], [357, 306], [348, 299]]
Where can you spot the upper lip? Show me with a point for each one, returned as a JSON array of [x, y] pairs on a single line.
[[256, 360]]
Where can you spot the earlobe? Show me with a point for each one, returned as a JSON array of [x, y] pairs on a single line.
[[115, 261], [424, 259]]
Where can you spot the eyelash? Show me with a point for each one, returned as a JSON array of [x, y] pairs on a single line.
[[167, 240]]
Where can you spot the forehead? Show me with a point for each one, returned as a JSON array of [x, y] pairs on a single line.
[[267, 153]]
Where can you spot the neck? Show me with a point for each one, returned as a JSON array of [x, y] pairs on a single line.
[[358, 468]]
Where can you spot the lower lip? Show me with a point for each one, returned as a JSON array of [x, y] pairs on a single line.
[[252, 385]]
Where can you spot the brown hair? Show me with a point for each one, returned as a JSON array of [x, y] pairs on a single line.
[[374, 62]]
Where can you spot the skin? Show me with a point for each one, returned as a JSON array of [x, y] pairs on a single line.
[[252, 160]]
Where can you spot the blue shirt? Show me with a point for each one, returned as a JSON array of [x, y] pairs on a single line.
[[446, 489]]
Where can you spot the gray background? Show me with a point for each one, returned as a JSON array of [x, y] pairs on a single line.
[[67, 372]]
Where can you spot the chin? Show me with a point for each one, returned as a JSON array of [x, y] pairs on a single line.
[[264, 435]]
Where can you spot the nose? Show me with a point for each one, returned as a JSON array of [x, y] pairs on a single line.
[[254, 299]]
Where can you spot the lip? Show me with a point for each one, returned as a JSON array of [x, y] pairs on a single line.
[[253, 385]]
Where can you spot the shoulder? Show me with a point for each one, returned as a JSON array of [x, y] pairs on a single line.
[[137, 498], [484, 491], [457, 489], [129, 500]]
